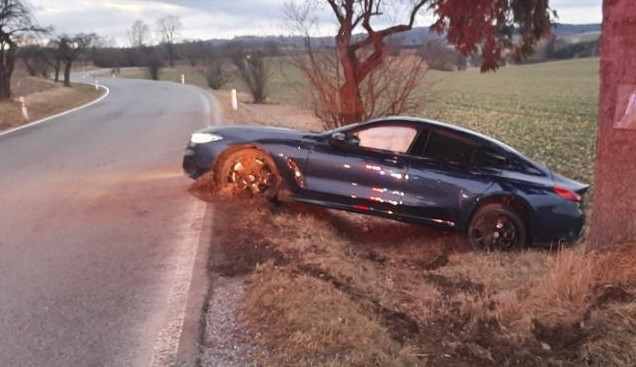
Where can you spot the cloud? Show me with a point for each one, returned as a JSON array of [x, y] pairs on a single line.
[[203, 19], [578, 11]]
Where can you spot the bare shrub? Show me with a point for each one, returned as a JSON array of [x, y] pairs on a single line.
[[215, 76], [253, 71], [389, 88], [153, 62], [440, 56]]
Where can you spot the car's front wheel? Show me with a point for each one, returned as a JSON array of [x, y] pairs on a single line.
[[249, 171], [496, 227]]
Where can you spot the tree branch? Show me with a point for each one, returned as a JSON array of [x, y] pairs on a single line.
[[336, 10], [390, 30]]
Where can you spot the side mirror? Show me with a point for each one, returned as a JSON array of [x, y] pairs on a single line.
[[341, 139]]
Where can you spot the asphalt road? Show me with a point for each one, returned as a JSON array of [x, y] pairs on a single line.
[[94, 227]]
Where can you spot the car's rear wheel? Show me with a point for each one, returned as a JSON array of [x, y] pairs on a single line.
[[250, 171], [496, 227]]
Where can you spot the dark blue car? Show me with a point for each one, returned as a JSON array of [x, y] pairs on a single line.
[[403, 168]]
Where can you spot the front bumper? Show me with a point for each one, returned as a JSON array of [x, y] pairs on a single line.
[[190, 167], [198, 159]]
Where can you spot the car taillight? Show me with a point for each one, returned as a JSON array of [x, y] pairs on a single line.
[[567, 194]]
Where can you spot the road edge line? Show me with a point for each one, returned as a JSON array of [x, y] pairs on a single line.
[[74, 109], [167, 342]]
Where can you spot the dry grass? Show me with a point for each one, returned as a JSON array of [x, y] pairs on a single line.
[[316, 294], [44, 98], [342, 289]]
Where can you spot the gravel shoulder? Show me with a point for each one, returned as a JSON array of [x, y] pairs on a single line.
[[226, 342]]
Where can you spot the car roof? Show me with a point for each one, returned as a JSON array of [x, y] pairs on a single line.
[[429, 122]]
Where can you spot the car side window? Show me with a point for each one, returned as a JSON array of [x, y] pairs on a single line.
[[392, 138], [518, 166], [450, 148], [487, 157]]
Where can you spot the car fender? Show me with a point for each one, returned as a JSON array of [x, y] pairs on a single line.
[[497, 195], [289, 161]]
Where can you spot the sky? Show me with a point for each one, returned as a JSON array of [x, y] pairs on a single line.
[[207, 19]]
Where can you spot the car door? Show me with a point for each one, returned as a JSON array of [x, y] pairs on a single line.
[[443, 177], [363, 168]]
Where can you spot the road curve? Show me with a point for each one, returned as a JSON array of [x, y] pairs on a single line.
[[93, 225]]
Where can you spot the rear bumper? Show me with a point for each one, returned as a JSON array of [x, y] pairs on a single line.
[[564, 225]]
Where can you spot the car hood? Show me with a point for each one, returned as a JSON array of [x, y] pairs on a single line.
[[255, 132]]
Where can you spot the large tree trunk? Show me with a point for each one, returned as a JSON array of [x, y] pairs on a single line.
[[614, 214], [351, 107]]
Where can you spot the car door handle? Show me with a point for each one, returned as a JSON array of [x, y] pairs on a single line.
[[391, 160]]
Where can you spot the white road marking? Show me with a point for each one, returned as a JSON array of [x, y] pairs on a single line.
[[166, 344], [61, 113]]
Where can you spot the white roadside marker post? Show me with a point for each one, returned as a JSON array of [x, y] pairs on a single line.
[[25, 111], [182, 78], [234, 100]]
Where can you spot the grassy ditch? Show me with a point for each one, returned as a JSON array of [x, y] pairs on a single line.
[[325, 288]]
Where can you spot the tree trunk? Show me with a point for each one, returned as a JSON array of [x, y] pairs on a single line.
[[31, 68], [67, 73], [351, 107], [614, 214], [5, 86], [6, 70], [171, 53], [57, 70]]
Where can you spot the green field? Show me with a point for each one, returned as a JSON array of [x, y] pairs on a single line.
[[547, 111]]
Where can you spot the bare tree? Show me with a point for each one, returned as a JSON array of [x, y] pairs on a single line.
[[16, 22], [489, 25], [253, 71], [30, 58], [167, 29], [388, 89], [69, 48], [52, 56], [138, 34]]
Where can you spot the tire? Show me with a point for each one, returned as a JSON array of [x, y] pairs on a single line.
[[249, 171], [496, 227]]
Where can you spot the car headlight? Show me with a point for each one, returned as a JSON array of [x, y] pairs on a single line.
[[202, 138]]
